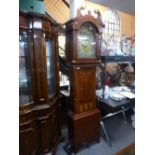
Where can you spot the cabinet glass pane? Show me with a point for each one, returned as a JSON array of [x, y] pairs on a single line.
[[62, 42], [86, 41], [25, 92], [50, 68]]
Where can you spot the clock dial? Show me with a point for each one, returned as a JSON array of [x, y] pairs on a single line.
[[86, 42]]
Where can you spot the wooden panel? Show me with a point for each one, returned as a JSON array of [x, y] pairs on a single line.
[[46, 25], [54, 133], [40, 65], [84, 88], [23, 22], [83, 128], [33, 70], [27, 143], [28, 116], [44, 135], [27, 139], [54, 127]]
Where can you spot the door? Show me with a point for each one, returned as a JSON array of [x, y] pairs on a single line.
[[84, 88]]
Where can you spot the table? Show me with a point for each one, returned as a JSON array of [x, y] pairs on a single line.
[[112, 108]]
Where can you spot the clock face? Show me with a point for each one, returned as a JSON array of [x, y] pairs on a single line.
[[86, 42]]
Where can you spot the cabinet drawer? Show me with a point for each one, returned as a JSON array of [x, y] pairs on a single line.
[[27, 116]]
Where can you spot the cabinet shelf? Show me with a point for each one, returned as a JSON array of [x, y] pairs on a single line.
[[120, 59]]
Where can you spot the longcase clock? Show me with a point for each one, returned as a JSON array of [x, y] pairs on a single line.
[[82, 55]]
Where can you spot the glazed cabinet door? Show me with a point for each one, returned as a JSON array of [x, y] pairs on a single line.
[[27, 128], [25, 69], [50, 66]]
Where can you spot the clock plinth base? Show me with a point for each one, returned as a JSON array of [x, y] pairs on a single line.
[[83, 128]]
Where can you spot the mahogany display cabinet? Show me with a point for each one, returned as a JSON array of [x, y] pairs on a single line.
[[39, 128]]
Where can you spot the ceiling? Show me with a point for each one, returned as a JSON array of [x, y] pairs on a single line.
[[127, 6]]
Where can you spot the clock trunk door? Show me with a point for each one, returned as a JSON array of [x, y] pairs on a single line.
[[84, 87]]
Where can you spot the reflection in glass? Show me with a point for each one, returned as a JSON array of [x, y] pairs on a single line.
[[62, 42], [50, 68], [25, 93], [86, 41]]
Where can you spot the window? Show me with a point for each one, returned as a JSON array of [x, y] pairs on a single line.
[[112, 26]]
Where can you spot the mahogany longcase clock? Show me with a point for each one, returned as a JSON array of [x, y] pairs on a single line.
[[82, 55]]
